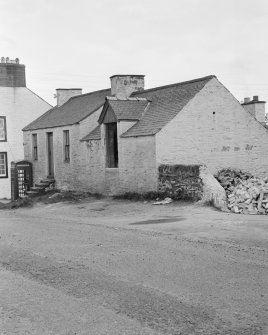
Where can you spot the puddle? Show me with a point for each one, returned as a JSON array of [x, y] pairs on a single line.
[[157, 221]]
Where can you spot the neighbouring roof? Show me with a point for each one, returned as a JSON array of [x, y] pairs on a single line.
[[73, 111], [95, 134], [166, 103], [253, 102], [265, 125], [125, 109]]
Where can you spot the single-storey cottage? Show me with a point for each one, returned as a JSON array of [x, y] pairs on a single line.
[[18, 106], [127, 138]]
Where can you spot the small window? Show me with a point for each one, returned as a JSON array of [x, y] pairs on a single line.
[[35, 149], [111, 145], [3, 130], [66, 144], [3, 165]]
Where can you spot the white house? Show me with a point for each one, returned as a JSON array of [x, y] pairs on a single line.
[[18, 107]]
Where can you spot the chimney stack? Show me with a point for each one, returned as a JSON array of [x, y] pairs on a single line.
[[123, 85], [255, 107], [12, 73], [64, 94]]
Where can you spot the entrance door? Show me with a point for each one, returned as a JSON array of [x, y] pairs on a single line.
[[50, 155]]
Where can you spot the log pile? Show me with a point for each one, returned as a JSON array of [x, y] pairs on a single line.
[[245, 194]]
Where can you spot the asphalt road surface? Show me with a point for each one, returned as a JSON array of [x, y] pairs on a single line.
[[118, 267]]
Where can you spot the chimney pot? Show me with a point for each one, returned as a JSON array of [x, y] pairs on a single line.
[[255, 98], [246, 100]]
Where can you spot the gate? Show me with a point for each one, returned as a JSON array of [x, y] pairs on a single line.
[[21, 179]]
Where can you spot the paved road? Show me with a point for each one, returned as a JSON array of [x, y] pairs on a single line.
[[113, 267]]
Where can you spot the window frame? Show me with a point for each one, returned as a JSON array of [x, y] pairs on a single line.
[[34, 147], [5, 129], [6, 165], [66, 145]]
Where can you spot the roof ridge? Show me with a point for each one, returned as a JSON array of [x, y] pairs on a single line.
[[126, 99], [82, 95], [172, 85]]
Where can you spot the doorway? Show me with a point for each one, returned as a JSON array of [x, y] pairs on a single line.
[[50, 155]]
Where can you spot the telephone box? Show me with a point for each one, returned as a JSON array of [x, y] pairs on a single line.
[[21, 179]]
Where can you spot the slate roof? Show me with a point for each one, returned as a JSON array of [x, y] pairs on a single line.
[[127, 109], [73, 111], [95, 134], [166, 103]]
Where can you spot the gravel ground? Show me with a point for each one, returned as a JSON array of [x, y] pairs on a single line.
[[119, 267]]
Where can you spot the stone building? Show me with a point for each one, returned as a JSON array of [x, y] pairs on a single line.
[[130, 139], [18, 107]]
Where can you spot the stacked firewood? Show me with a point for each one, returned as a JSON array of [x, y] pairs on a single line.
[[245, 194]]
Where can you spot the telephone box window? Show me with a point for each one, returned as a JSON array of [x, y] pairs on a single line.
[[3, 165], [3, 131]]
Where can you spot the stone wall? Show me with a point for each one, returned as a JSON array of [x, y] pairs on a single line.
[[137, 164], [180, 181], [78, 173]]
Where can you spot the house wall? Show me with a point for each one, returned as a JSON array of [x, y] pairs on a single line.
[[92, 174], [20, 106], [213, 129], [136, 170], [137, 164], [68, 175]]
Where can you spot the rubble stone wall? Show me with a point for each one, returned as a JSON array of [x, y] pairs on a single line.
[[180, 181]]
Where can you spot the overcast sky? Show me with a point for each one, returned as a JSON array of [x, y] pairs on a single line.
[[81, 43]]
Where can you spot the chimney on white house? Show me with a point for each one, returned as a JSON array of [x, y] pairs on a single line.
[[64, 94], [12, 73], [123, 85], [255, 107]]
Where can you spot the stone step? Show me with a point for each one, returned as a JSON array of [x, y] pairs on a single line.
[[31, 193], [47, 180], [42, 185], [37, 188]]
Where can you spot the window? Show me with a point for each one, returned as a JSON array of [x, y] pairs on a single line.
[[3, 131], [35, 151], [3, 165], [111, 145], [66, 144]]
